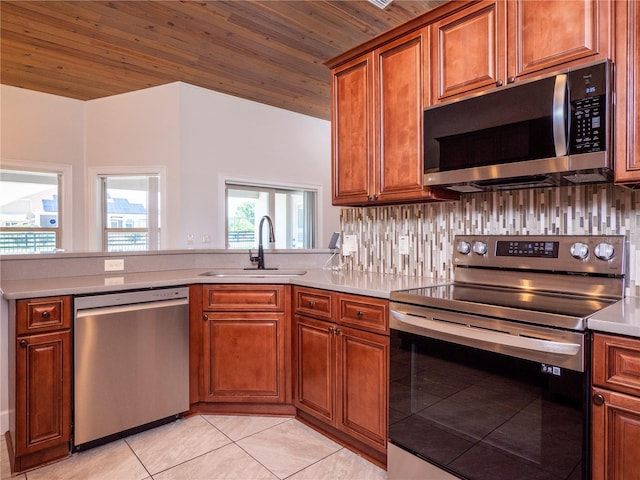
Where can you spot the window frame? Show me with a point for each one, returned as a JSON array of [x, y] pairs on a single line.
[[224, 181], [95, 215], [64, 230]]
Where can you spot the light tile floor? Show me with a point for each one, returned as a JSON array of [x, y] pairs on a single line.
[[213, 447]]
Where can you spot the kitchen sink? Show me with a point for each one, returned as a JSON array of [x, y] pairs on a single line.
[[255, 273]]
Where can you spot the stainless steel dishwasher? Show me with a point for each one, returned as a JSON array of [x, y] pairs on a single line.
[[131, 362]]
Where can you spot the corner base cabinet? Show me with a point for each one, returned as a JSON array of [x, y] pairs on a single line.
[[341, 372], [40, 381], [243, 336], [616, 408]]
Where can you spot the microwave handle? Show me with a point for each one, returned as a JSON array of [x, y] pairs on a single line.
[[559, 115]]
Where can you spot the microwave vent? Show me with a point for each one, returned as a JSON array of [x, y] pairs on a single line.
[[585, 178]]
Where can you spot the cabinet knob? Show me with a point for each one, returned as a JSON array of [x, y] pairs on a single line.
[[376, 196], [46, 314], [598, 399], [205, 317], [23, 343], [499, 83], [312, 303], [336, 331], [511, 80], [360, 313]]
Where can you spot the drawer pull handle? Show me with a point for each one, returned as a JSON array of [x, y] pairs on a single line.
[[598, 399], [23, 343], [46, 314]]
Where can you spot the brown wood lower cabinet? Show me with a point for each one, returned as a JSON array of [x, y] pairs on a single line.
[[341, 374], [240, 349], [40, 381], [615, 408]]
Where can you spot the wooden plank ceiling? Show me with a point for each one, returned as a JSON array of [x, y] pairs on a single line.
[[267, 51]]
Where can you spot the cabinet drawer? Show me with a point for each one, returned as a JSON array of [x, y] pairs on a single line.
[[43, 314], [313, 303], [616, 363], [364, 312], [244, 297]]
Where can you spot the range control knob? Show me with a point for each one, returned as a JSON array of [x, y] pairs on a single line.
[[579, 251], [604, 251], [480, 248], [464, 248]]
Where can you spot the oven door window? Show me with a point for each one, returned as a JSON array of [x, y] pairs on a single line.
[[482, 415]]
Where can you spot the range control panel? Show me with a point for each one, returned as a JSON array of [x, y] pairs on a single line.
[[588, 254]]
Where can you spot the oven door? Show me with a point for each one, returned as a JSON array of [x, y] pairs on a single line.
[[485, 399]]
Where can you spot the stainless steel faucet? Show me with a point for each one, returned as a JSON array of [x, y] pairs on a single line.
[[260, 257]]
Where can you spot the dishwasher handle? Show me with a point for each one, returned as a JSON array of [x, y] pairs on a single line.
[[131, 307]]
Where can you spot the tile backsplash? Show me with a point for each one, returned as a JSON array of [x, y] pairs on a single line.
[[431, 227]]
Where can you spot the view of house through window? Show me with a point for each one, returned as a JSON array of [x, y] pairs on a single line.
[[130, 212], [29, 212], [293, 212]]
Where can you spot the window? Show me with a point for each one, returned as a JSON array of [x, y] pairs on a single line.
[[292, 210], [130, 212], [30, 213]]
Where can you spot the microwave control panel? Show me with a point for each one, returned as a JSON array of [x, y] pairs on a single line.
[[588, 88]]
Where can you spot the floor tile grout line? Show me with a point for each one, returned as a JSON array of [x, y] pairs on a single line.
[[314, 463], [197, 456], [286, 419], [137, 457]]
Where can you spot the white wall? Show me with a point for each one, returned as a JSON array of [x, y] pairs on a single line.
[[136, 132], [195, 135], [41, 129], [224, 136]]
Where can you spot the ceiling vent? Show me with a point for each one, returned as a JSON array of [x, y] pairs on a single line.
[[382, 4]]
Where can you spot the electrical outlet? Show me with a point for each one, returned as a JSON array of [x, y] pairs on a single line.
[[113, 264], [403, 244], [349, 245]]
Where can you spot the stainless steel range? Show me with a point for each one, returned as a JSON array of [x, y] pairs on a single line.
[[490, 374]]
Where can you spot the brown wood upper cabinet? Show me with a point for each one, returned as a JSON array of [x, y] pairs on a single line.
[[377, 126], [627, 79], [496, 42]]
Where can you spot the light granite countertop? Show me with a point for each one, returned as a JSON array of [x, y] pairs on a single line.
[[359, 283], [622, 317]]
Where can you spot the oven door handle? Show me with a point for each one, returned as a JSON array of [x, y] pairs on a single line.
[[481, 334]]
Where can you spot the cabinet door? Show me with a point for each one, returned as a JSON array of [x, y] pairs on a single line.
[[244, 357], [627, 78], [351, 122], [363, 385], [467, 51], [399, 168], [43, 391], [547, 34], [615, 436], [314, 367]]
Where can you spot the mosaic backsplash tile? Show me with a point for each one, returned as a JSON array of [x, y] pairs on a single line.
[[576, 210]]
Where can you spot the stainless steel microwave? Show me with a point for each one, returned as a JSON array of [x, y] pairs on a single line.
[[549, 131]]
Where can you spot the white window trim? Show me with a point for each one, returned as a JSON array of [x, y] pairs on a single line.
[[66, 190], [261, 182], [94, 212]]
